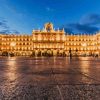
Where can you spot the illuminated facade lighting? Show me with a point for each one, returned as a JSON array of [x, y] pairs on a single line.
[[49, 40]]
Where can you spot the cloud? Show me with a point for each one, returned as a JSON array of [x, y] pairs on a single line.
[[90, 19], [49, 9], [87, 24], [5, 29], [3, 23], [67, 29], [15, 32], [82, 28], [13, 9]]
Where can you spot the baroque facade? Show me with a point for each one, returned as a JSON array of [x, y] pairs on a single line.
[[49, 41]]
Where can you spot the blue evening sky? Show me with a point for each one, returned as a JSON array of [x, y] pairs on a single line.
[[76, 16]]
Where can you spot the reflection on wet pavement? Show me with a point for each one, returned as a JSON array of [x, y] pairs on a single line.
[[49, 78]]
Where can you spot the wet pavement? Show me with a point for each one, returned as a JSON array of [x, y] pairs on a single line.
[[24, 78]]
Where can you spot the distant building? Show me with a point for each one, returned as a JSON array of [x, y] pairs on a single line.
[[50, 41]]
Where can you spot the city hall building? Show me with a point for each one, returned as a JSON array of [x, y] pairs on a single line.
[[49, 42]]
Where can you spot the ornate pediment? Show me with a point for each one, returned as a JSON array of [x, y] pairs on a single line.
[[48, 27]]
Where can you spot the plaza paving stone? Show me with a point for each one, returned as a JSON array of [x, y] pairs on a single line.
[[53, 78]]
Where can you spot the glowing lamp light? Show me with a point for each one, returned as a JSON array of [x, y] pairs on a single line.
[[13, 44], [84, 44]]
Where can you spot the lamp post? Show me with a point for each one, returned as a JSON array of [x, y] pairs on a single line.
[[76, 52], [70, 53]]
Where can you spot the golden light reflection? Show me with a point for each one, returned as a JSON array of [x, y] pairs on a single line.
[[84, 64], [11, 74], [84, 68]]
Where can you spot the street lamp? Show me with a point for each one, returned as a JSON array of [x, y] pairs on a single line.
[[70, 53]]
